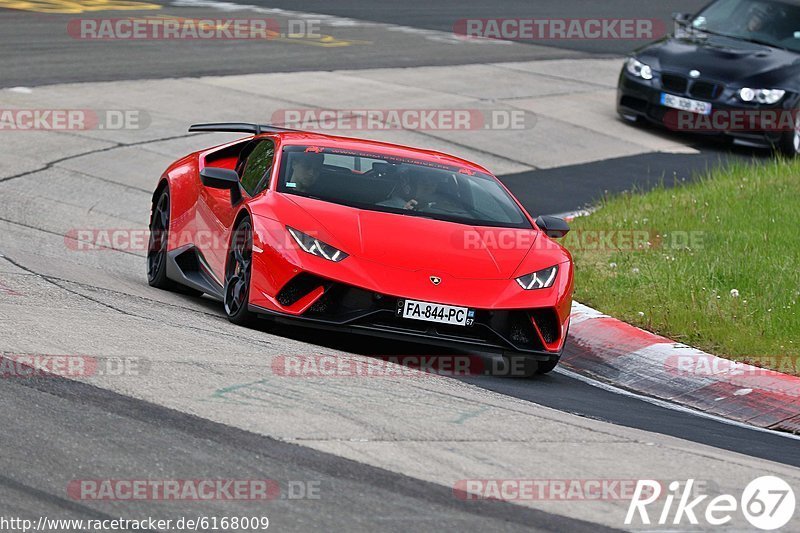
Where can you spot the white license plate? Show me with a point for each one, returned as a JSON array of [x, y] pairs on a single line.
[[443, 314], [685, 104]]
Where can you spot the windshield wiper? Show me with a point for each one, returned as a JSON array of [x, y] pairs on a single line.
[[712, 32], [741, 38]]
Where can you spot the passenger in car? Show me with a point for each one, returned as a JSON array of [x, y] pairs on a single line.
[[401, 195], [423, 193]]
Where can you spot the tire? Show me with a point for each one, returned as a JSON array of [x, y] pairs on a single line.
[[789, 145], [238, 268], [545, 367], [157, 246], [522, 366]]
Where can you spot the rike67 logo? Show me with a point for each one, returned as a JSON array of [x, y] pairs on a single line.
[[768, 503]]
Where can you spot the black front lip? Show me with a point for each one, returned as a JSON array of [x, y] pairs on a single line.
[[653, 111], [350, 324], [185, 265]]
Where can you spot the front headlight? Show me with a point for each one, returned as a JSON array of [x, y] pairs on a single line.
[[639, 69], [538, 280], [316, 247], [762, 96]]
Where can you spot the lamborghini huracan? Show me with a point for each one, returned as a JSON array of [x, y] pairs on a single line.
[[362, 236]]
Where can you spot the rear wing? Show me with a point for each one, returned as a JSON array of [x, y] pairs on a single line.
[[238, 127]]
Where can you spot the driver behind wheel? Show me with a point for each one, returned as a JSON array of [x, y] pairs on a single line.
[[761, 19], [425, 191], [305, 170]]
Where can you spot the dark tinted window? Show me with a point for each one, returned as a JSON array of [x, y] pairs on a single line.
[[379, 182], [770, 22], [255, 176]]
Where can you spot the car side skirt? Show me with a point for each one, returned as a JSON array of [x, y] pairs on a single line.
[[187, 266]]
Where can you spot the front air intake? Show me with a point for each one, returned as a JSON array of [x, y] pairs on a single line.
[[298, 287], [547, 322]]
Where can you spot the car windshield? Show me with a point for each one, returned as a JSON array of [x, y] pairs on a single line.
[[398, 185], [768, 22]]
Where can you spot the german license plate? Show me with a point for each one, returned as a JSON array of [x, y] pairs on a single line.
[[430, 312], [685, 104]]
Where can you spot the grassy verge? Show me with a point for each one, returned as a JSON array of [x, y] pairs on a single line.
[[721, 271]]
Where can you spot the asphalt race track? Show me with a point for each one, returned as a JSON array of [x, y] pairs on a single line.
[[204, 400]]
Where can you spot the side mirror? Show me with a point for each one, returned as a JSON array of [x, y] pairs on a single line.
[[222, 178], [553, 227]]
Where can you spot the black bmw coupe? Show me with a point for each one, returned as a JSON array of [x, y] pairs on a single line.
[[732, 69]]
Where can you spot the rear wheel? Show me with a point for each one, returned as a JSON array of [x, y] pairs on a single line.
[[157, 247], [237, 274]]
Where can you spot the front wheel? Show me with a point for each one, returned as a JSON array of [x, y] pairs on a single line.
[[789, 144], [522, 366], [237, 275], [545, 367]]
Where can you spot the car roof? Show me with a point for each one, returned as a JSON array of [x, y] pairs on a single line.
[[304, 138]]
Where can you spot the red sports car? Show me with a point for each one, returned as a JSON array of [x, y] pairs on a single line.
[[362, 236]]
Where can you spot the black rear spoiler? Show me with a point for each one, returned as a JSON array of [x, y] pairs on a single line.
[[238, 127]]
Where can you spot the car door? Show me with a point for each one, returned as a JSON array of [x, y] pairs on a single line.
[[215, 213]]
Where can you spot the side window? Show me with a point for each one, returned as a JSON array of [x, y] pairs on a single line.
[[255, 176]]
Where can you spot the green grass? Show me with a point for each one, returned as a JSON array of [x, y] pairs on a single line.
[[734, 228]]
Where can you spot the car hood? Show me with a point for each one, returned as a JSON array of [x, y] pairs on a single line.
[[724, 59], [417, 243]]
